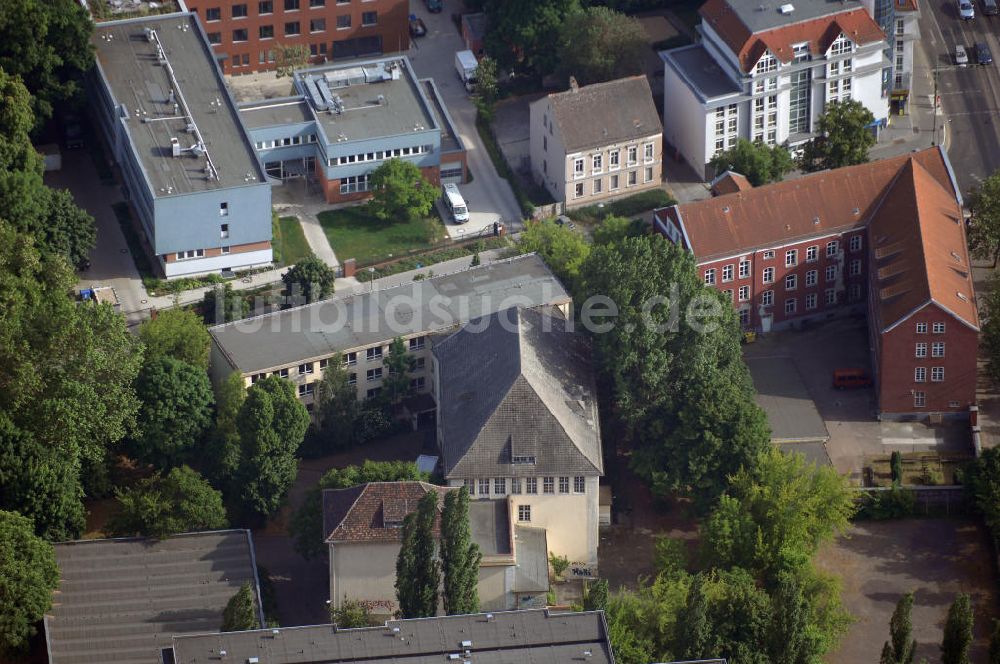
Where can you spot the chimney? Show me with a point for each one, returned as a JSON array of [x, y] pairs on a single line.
[[573, 85]]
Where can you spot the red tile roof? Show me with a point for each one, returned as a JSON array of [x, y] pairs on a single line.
[[730, 182], [748, 46], [373, 512]]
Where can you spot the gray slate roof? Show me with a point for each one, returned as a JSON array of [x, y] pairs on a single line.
[[760, 16], [517, 383], [533, 636], [122, 600], [362, 318], [605, 113], [531, 550]]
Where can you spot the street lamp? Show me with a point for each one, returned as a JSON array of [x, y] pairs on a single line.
[[371, 279]]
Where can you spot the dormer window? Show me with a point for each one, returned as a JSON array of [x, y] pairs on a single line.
[[842, 46], [800, 52], [766, 64]]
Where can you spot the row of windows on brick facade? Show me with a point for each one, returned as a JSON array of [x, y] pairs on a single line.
[[791, 304], [920, 374], [373, 354], [374, 375], [528, 485], [597, 184], [614, 159], [791, 260], [294, 29], [791, 280], [938, 328], [265, 7], [920, 400], [937, 349]]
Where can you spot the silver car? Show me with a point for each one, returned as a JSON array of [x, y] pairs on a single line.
[[961, 57], [966, 10]]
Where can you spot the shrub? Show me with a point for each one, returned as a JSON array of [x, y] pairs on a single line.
[[896, 503], [559, 563]]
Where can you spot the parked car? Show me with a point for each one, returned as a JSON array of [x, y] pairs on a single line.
[[990, 8], [966, 10], [983, 55], [850, 378], [453, 200], [434, 6], [417, 26], [961, 57], [72, 132]]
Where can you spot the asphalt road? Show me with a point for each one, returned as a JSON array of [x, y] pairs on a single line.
[[970, 96]]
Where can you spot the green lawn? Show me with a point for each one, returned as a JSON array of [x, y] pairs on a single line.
[[290, 244], [353, 233]]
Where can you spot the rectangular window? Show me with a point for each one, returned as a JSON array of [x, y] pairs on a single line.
[[499, 486], [768, 275], [305, 390], [647, 152], [350, 359], [352, 379], [281, 373], [344, 22], [563, 485], [791, 282], [225, 250], [831, 296], [597, 185], [324, 363], [265, 7], [856, 243], [470, 486], [240, 11], [938, 328], [632, 179], [921, 350], [523, 460], [744, 293], [727, 272], [369, 19], [769, 254], [240, 35], [937, 349], [531, 485], [317, 25], [258, 376], [306, 368], [744, 269], [317, 3], [417, 343], [484, 487], [213, 14], [790, 305], [855, 267], [791, 257], [832, 248], [710, 276], [373, 393], [919, 399], [374, 374], [633, 154], [291, 5], [515, 485], [524, 513], [811, 278], [214, 37], [597, 163], [374, 353], [291, 28], [266, 32], [811, 301], [812, 253], [578, 190], [578, 168], [831, 272], [579, 484], [767, 298], [614, 159], [419, 364], [548, 485], [920, 374]]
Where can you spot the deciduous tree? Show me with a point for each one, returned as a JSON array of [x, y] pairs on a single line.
[[400, 192], [223, 442], [272, 423], [16, 122], [598, 44], [487, 88], [984, 225], [460, 556], [845, 136], [563, 250], [177, 333], [162, 505], [398, 365], [176, 410], [222, 304], [289, 57], [351, 614], [957, 631], [28, 575], [982, 478], [68, 230], [418, 574], [522, 32], [614, 229], [241, 612], [760, 163], [310, 279], [901, 647]]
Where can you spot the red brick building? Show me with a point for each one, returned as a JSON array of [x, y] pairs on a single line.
[[247, 33], [885, 238]]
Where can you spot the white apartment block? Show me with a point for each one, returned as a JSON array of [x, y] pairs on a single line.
[[597, 142], [767, 72]]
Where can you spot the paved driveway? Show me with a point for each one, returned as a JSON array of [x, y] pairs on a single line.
[[488, 196], [110, 261]]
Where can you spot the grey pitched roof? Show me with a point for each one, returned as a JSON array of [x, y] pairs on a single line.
[[532, 552], [605, 113], [122, 600], [517, 383], [534, 636], [360, 318]]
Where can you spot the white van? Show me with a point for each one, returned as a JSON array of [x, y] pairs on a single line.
[[455, 203]]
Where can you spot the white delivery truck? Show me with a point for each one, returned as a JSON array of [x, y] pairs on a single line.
[[453, 200], [466, 66]]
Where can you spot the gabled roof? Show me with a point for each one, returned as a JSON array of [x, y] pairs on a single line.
[[813, 205], [749, 32], [372, 512], [730, 182], [919, 252], [517, 383], [122, 600], [604, 113]]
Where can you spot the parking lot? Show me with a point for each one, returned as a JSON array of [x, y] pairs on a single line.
[[879, 561], [810, 356]]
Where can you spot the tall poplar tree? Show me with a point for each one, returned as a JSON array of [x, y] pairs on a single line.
[[460, 556], [957, 632], [417, 573]]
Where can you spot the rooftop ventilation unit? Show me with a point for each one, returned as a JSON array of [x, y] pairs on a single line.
[[317, 100], [175, 147], [149, 34], [342, 78], [786, 9]]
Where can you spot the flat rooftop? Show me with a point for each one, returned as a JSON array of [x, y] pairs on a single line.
[[122, 600], [377, 98], [489, 526], [275, 113], [129, 62], [450, 142], [700, 71], [528, 637], [362, 318], [760, 15]]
